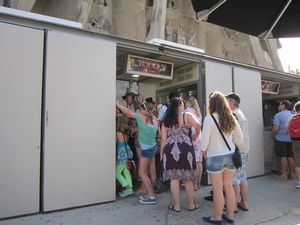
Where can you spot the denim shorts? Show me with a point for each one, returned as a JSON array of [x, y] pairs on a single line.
[[149, 153], [215, 164]]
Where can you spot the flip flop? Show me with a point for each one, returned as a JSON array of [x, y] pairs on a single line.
[[242, 208], [196, 207], [173, 209]]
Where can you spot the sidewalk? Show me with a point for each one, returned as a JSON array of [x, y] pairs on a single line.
[[271, 202]]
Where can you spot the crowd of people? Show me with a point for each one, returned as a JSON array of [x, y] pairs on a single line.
[[175, 136]]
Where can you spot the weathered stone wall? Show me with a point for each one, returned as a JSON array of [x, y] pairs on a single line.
[[129, 19], [75, 10], [173, 20]]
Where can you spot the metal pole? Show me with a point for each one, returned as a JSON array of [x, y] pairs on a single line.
[[277, 19]]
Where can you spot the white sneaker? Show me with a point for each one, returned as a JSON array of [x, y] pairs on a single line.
[[298, 184], [143, 197], [148, 201]]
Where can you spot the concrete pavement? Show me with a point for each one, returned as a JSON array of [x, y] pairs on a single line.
[[271, 201]]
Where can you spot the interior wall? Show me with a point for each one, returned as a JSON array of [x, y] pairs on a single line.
[[21, 58]]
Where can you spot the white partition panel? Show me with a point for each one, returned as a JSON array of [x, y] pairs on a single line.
[[21, 59], [248, 85], [80, 121], [218, 77]]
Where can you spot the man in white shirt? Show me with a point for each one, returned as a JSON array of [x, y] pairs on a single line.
[[240, 183]]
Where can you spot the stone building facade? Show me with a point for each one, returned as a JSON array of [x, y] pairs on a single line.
[[172, 20]]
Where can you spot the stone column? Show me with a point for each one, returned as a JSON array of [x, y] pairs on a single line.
[[158, 20], [129, 19], [273, 45], [257, 51], [82, 11]]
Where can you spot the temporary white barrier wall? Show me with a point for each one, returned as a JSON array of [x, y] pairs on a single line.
[[247, 84], [218, 77], [79, 152], [21, 60]]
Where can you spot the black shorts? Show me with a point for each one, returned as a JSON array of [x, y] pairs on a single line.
[[283, 149]]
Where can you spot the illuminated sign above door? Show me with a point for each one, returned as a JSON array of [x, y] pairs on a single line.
[[149, 67]]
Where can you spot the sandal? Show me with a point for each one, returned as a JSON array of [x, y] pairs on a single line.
[[173, 209], [196, 207], [208, 220], [230, 221], [242, 208]]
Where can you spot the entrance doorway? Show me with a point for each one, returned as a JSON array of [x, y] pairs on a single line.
[[185, 78]]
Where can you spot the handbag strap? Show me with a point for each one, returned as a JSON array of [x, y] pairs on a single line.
[[220, 131]]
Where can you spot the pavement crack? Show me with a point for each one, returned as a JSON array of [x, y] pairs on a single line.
[[272, 219]]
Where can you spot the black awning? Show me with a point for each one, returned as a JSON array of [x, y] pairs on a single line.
[[254, 17]]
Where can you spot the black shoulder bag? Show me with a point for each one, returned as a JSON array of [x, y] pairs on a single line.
[[236, 157]]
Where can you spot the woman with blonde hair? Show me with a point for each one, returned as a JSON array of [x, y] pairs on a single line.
[[219, 164], [193, 107], [147, 129]]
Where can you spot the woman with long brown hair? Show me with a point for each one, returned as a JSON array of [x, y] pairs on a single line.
[[219, 163], [177, 151]]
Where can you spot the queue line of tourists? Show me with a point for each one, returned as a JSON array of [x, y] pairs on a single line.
[[182, 148]]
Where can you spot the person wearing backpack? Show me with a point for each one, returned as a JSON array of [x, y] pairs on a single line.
[[283, 143], [293, 129]]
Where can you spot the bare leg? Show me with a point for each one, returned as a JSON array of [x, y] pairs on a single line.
[[200, 170], [217, 186], [143, 172], [152, 170], [189, 188], [237, 191], [229, 193], [297, 172], [244, 195], [175, 193], [198, 179], [291, 166], [142, 187], [284, 167]]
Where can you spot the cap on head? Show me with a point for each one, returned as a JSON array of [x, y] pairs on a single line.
[[234, 96], [286, 103], [130, 93]]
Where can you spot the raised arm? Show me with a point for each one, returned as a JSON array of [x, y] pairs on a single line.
[[125, 110]]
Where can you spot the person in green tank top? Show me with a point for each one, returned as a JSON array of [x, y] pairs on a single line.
[[147, 129]]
